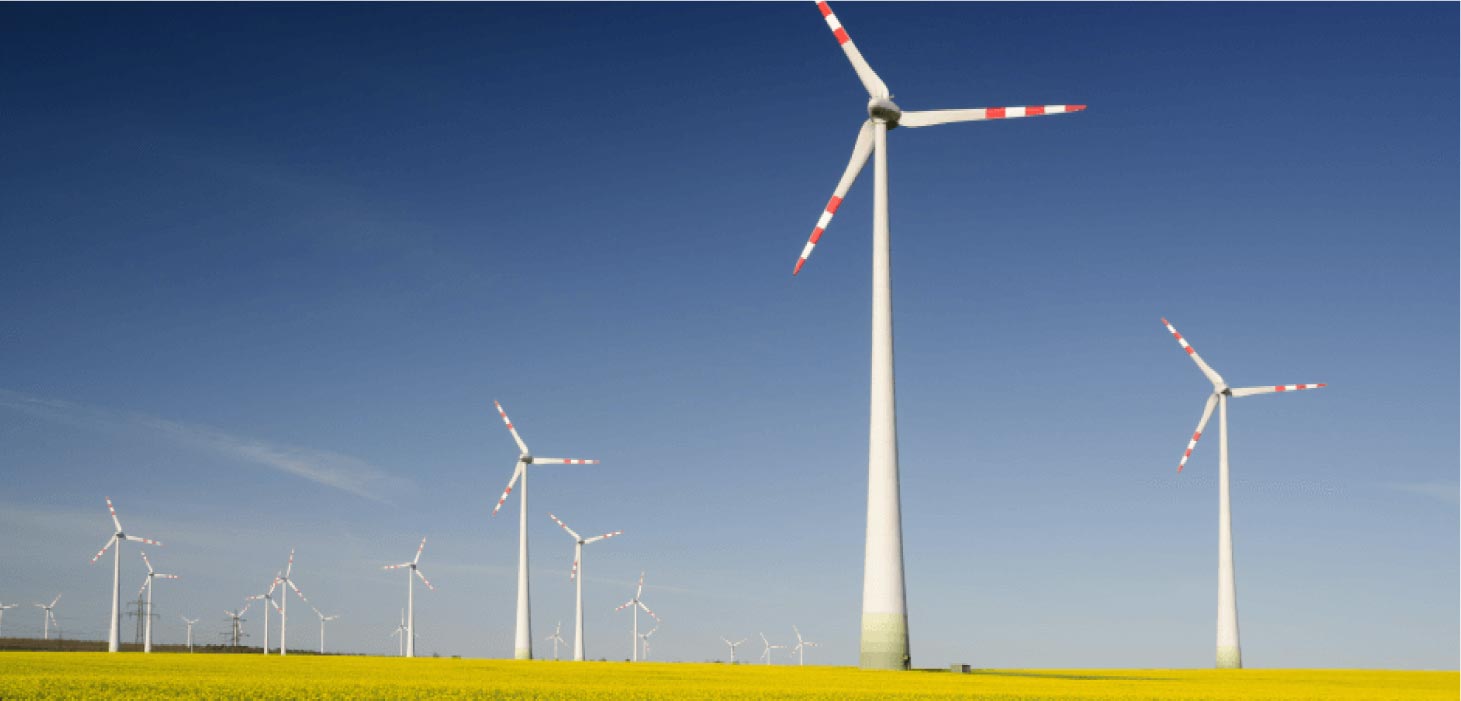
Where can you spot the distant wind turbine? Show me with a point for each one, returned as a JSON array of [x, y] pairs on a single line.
[[147, 586], [577, 574], [4, 608], [733, 646], [236, 619], [801, 646], [400, 634], [114, 635], [637, 604], [556, 638], [284, 607], [411, 596], [644, 640], [190, 622], [268, 598], [523, 642], [1229, 655], [766, 654], [48, 614], [323, 618]]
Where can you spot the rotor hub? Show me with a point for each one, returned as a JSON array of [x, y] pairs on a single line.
[[882, 109]]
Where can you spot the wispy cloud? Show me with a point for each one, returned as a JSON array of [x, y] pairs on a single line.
[[1448, 492], [337, 470]]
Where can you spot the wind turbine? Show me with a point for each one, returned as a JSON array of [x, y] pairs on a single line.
[[323, 618], [48, 614], [268, 598], [637, 604], [556, 638], [237, 619], [644, 639], [190, 623], [766, 654], [147, 585], [4, 608], [801, 646], [410, 597], [114, 635], [523, 643], [399, 633], [284, 608], [1229, 654], [575, 574], [884, 603], [733, 646]]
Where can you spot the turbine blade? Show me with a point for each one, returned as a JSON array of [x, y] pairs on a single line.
[[870, 80], [143, 588], [418, 551], [116, 522], [520, 444], [598, 538], [140, 539], [626, 604], [563, 461], [928, 118], [516, 472], [296, 590], [573, 572], [1250, 391], [166, 576], [289, 569], [1201, 424], [1212, 376], [396, 567], [146, 561], [424, 580], [651, 613], [104, 549], [640, 591], [53, 601], [860, 152], [565, 526]]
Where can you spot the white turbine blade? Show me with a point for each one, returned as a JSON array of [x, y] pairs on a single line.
[[520, 444], [247, 604], [1201, 424], [423, 580], [104, 549], [573, 573], [143, 588], [563, 461], [418, 550], [565, 526], [640, 591], [274, 584], [516, 472], [1250, 391], [140, 539], [115, 521], [53, 601], [146, 561], [166, 576], [798, 634], [626, 604], [297, 591], [651, 613], [870, 80], [275, 604], [928, 118], [288, 569], [1217, 380], [396, 567], [598, 538], [742, 642], [860, 152]]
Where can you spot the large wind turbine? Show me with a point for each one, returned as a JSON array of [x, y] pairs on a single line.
[[637, 604], [766, 653], [147, 586], [114, 635], [1229, 654], [411, 596], [4, 608], [268, 599], [884, 604], [801, 646], [523, 642], [323, 618], [48, 614], [284, 608], [189, 622], [733, 647], [577, 574]]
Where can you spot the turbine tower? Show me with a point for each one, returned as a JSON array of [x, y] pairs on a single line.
[[4, 608], [523, 642], [733, 646], [284, 608], [884, 604], [114, 635], [48, 614], [410, 597], [556, 638], [268, 598], [236, 619], [147, 586], [323, 618], [190, 622], [637, 604], [801, 646], [576, 574], [766, 654], [1229, 653]]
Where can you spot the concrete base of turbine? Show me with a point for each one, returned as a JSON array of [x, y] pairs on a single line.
[[884, 641], [1229, 658], [522, 653]]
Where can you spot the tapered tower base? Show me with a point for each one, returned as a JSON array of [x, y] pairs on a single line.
[[884, 641], [1229, 658], [522, 653]]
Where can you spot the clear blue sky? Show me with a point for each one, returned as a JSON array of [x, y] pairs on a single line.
[[265, 267]]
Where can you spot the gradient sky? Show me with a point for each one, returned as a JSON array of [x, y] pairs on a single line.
[[265, 267]]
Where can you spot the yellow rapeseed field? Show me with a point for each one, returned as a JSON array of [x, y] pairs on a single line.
[[50, 675]]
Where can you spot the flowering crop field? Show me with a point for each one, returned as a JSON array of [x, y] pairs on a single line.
[[83, 675]]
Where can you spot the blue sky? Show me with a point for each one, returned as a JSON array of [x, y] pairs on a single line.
[[266, 267]]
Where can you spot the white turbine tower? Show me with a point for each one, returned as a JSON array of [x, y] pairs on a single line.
[[4, 608], [147, 586], [236, 619], [1229, 654], [190, 622], [733, 646], [48, 614], [400, 634], [114, 635], [523, 642], [284, 608], [644, 640], [411, 596], [766, 654], [556, 638], [323, 618], [801, 646], [884, 604], [268, 598], [577, 574], [637, 604]]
